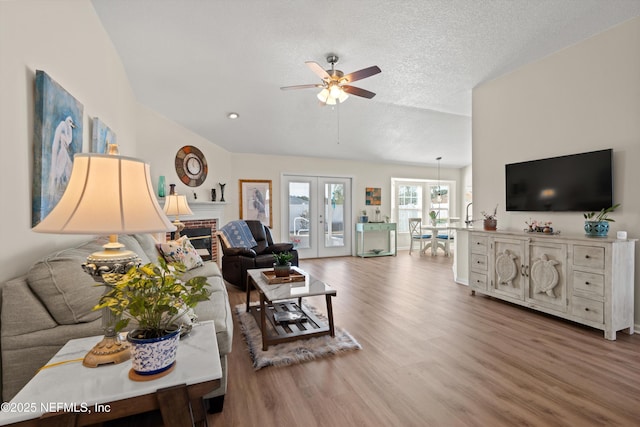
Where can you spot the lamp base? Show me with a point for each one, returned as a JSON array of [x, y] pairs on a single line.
[[111, 350]]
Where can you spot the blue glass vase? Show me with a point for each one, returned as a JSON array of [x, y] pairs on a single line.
[[161, 186]]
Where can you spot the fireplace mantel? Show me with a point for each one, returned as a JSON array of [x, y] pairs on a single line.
[[202, 210]]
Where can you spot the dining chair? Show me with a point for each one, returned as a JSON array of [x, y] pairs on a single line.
[[445, 238], [415, 230]]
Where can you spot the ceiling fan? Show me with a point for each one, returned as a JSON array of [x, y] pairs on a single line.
[[335, 84]]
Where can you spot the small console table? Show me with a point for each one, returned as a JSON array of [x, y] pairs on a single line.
[[364, 228]]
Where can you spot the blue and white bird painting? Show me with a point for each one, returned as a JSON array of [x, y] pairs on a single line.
[[57, 137]]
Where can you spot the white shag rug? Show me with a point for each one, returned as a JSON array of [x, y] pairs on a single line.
[[293, 352]]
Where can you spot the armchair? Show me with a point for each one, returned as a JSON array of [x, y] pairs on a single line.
[[237, 259]]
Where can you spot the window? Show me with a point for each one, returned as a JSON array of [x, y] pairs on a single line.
[[416, 198]]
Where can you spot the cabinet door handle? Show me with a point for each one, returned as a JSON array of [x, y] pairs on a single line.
[[586, 309], [587, 283], [522, 270], [587, 256]]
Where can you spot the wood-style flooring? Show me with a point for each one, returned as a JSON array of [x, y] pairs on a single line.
[[433, 355]]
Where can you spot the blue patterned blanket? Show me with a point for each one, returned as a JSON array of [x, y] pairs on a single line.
[[238, 235]]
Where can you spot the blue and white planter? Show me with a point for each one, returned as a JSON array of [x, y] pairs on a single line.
[[150, 356], [596, 228]]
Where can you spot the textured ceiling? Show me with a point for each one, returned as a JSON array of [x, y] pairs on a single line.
[[194, 61]]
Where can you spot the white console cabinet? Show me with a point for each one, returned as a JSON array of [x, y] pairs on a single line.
[[586, 280]]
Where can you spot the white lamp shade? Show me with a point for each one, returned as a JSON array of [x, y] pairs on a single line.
[[176, 204], [107, 194]]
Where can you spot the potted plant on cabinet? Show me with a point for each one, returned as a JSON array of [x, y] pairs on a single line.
[[282, 266], [490, 222], [596, 224], [155, 298]]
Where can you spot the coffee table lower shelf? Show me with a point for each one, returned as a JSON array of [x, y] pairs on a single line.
[[274, 332]]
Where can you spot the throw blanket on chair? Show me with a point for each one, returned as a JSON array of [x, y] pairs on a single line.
[[238, 235]]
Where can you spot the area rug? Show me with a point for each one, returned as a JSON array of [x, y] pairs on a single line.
[[292, 352]]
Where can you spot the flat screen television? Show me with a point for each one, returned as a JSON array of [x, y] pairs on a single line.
[[577, 183]]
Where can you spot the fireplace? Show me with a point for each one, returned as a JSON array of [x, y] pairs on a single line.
[[201, 234]]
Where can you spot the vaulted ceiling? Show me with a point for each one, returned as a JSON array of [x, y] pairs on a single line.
[[195, 61]]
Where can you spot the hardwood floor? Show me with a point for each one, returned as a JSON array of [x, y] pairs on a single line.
[[433, 355]]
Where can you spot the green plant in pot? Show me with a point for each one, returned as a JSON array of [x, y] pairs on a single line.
[[157, 300], [282, 264], [596, 224], [490, 222], [434, 217]]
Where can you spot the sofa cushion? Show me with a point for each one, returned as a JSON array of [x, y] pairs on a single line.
[[208, 269], [61, 284], [180, 250], [148, 245], [218, 310], [133, 245], [17, 299]]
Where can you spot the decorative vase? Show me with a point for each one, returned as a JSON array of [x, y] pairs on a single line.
[[172, 189], [161, 186], [596, 228], [490, 224], [151, 356], [363, 218], [221, 191], [213, 194], [282, 270]]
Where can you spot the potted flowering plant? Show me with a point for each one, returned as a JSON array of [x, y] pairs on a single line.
[[155, 298], [490, 222]]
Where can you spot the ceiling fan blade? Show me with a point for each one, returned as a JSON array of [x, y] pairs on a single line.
[[300, 86], [317, 68], [362, 74], [352, 90]]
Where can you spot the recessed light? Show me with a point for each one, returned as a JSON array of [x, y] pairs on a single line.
[[233, 116]]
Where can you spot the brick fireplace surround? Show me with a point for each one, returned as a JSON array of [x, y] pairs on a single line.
[[205, 215]]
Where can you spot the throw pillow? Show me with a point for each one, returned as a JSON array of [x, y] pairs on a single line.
[[181, 250]]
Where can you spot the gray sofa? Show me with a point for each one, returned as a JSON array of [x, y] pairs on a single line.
[[52, 303]]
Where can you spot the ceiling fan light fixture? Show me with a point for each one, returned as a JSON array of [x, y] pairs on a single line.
[[343, 96], [323, 95], [335, 90]]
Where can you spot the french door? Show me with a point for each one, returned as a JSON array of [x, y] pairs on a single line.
[[317, 214]]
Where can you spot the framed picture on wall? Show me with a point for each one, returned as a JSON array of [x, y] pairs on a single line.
[[373, 196], [255, 200], [57, 138], [102, 136]]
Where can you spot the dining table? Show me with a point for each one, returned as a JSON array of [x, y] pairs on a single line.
[[434, 243]]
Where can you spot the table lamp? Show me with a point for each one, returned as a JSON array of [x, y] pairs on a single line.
[[107, 195], [176, 204]]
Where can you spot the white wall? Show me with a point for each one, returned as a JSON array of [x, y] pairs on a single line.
[[159, 140], [583, 98], [66, 40], [252, 166]]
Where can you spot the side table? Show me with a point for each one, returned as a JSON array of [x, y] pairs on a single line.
[[66, 390]]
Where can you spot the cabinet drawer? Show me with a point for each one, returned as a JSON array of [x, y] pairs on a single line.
[[478, 281], [479, 263], [587, 309], [479, 244], [588, 256], [375, 226], [588, 282]]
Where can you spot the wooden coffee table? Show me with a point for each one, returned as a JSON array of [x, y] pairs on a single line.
[[281, 297]]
